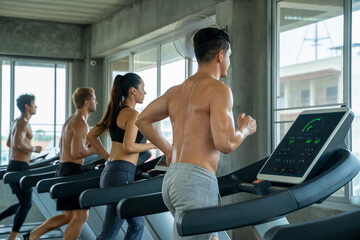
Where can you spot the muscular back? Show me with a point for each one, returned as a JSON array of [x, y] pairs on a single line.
[[71, 138], [189, 106]]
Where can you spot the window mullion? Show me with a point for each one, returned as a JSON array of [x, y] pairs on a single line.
[[158, 64]]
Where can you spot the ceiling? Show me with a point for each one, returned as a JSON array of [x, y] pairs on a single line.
[[68, 11]]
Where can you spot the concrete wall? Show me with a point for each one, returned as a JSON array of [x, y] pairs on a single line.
[[142, 21], [41, 39]]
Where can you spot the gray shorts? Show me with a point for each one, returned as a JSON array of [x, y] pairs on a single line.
[[188, 186]]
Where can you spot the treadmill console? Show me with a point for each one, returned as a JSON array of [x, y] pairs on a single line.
[[312, 139]]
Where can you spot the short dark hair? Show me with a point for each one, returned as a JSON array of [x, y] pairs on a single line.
[[80, 95], [208, 42], [24, 99]]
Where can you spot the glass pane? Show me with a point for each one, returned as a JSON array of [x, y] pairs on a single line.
[[172, 74], [119, 66], [145, 64], [5, 110], [355, 88], [194, 67], [172, 67], [60, 100], [310, 42], [38, 79]]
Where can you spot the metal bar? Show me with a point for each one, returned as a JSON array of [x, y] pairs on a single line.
[[55, 105], [307, 107], [1, 108]]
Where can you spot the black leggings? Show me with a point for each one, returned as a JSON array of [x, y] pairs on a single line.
[[24, 196]]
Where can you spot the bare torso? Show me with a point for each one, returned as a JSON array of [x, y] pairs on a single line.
[[117, 152], [189, 111], [22, 128], [66, 142]]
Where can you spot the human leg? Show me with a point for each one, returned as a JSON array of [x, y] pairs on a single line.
[[9, 211], [25, 202], [51, 224], [191, 187], [115, 173], [135, 228], [112, 224], [76, 223]]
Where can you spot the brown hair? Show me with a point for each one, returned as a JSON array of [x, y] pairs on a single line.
[[80, 95], [119, 93]]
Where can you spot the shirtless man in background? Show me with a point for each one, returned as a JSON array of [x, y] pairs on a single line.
[[73, 149], [19, 142], [200, 111]]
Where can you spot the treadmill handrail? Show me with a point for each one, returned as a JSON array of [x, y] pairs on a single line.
[[73, 188], [112, 195], [236, 215], [43, 162], [324, 228], [46, 184], [33, 179], [141, 205], [13, 177]]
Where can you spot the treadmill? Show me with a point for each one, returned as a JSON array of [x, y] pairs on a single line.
[[311, 162], [40, 169], [74, 185], [44, 164]]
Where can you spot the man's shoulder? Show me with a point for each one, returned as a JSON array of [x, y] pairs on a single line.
[[216, 87], [76, 122], [21, 123]]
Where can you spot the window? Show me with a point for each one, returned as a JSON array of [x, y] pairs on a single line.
[[310, 65], [161, 68], [172, 74], [5, 110], [119, 66], [305, 97], [145, 64], [355, 91], [47, 81], [307, 35]]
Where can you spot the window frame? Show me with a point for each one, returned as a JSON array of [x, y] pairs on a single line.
[[12, 62]]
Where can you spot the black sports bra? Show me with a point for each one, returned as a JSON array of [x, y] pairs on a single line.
[[117, 134]]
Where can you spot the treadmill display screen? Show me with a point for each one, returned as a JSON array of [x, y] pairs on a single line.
[[302, 144]]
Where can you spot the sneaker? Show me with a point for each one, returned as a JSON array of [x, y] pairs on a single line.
[[25, 236]]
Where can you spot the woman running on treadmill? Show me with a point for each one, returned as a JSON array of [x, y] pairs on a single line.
[[119, 120]]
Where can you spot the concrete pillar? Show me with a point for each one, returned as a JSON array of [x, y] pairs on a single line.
[[247, 24]]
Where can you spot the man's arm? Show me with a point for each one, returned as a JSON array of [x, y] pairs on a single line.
[[156, 111], [79, 147], [226, 137], [8, 141]]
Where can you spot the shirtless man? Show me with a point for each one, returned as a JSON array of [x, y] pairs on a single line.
[[73, 150], [200, 111], [19, 142]]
